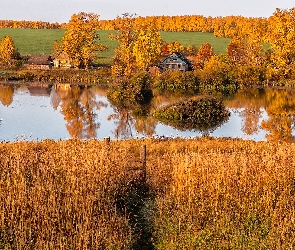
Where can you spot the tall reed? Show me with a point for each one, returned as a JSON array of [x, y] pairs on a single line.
[[201, 194]]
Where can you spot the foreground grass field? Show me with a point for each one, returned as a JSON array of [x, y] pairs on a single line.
[[40, 41], [199, 194]]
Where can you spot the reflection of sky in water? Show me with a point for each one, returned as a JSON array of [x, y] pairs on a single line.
[[233, 128], [34, 118], [31, 116]]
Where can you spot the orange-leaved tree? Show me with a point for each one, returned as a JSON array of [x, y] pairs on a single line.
[[205, 53], [147, 46]]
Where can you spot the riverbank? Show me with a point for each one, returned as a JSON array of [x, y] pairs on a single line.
[[100, 76], [198, 193]]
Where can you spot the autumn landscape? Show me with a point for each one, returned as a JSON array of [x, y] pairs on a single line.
[[153, 193]]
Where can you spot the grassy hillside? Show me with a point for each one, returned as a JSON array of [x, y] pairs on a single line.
[[197, 38], [33, 41], [40, 41], [199, 194]]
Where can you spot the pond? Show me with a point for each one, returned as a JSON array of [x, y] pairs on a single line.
[[42, 111]]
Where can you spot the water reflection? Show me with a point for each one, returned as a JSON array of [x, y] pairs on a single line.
[[78, 104], [279, 105], [6, 94], [259, 114], [132, 122]]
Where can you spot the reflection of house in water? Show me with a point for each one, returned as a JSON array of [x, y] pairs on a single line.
[[39, 89], [65, 87], [60, 92]]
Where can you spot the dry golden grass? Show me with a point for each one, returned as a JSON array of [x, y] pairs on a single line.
[[203, 194]]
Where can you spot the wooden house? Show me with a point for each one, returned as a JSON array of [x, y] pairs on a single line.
[[62, 60], [40, 62], [176, 62]]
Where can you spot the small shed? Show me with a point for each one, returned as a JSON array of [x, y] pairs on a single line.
[[40, 62], [62, 60], [176, 62]]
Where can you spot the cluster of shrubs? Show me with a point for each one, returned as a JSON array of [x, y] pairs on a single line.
[[193, 82], [130, 91], [202, 114]]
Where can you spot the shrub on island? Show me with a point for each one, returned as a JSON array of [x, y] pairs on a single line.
[[202, 113]]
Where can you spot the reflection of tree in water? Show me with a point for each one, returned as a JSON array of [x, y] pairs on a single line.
[[127, 119], [124, 122], [251, 117], [281, 112], [279, 106], [146, 125], [6, 94], [251, 101], [77, 106]]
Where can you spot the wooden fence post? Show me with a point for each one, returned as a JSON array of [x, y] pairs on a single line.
[[107, 143], [143, 161]]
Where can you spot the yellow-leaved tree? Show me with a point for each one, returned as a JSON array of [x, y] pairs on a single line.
[[147, 46], [124, 59], [7, 50], [80, 40], [175, 47], [281, 36], [139, 46], [56, 49]]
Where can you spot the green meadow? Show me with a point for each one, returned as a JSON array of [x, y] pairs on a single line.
[[40, 41], [197, 38]]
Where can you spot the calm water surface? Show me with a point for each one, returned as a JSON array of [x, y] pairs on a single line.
[[37, 112]]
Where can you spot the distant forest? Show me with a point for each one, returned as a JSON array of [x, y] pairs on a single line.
[[229, 26]]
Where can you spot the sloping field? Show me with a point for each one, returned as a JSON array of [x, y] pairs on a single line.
[[40, 41]]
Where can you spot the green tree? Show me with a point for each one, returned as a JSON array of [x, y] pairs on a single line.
[[80, 41]]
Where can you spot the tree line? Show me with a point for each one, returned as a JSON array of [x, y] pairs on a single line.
[[24, 24], [257, 53]]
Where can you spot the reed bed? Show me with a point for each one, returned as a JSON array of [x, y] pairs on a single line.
[[62, 196], [201, 194]]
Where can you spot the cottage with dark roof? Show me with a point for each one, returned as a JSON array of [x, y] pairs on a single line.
[[40, 62], [176, 62]]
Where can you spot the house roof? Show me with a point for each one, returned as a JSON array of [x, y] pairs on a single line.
[[40, 60], [63, 55], [176, 57]]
